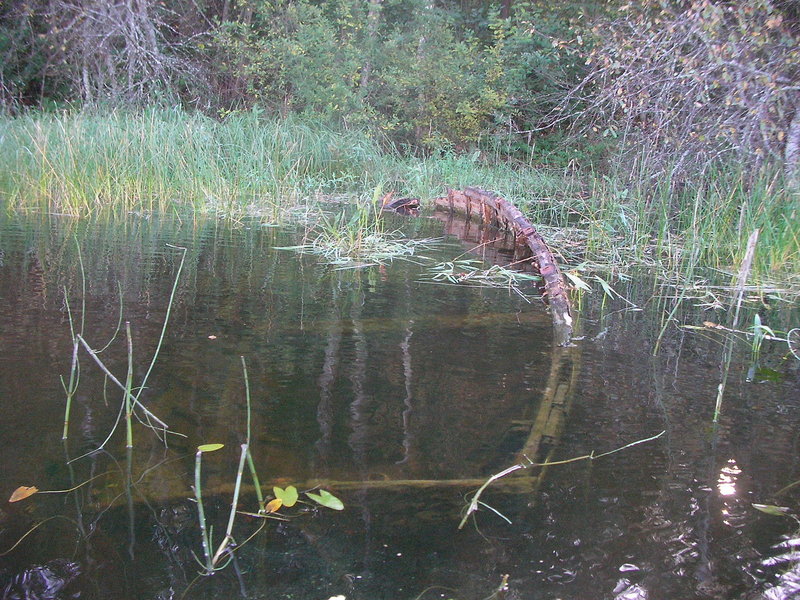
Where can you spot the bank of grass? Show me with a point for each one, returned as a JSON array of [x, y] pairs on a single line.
[[83, 162], [698, 232], [86, 163]]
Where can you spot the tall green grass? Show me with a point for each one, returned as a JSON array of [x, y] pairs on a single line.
[[90, 162], [83, 162], [697, 231]]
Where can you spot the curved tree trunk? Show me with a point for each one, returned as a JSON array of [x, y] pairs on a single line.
[[494, 210]]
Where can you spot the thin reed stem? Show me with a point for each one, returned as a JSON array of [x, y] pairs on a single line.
[[71, 387], [225, 545], [128, 387], [250, 463], [166, 321], [74, 370], [201, 513], [744, 272]]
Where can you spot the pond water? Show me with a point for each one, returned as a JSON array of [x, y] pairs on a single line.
[[397, 394]]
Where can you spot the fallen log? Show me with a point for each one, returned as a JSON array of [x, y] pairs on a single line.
[[493, 210]]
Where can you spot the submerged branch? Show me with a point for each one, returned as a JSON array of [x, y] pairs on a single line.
[[473, 505], [119, 384]]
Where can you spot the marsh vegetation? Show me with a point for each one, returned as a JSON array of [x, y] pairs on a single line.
[[191, 233]]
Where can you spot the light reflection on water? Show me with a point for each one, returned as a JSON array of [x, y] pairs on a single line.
[[369, 375]]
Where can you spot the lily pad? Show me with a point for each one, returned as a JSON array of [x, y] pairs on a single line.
[[288, 496], [326, 499]]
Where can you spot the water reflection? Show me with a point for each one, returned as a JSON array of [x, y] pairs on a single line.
[[726, 482], [402, 397]]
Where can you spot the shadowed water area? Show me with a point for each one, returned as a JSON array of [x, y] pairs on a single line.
[[397, 394]]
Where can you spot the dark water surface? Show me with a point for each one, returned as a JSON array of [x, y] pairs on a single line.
[[401, 396]]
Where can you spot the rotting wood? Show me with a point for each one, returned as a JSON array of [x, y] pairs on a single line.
[[551, 416], [493, 210]]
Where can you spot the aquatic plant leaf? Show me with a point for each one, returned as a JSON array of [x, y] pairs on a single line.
[[771, 509], [578, 282], [288, 496], [23, 492], [210, 447], [606, 287], [273, 505], [326, 499]]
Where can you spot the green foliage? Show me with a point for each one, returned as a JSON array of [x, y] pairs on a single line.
[[85, 162], [433, 85], [357, 237], [469, 271], [326, 499], [21, 56], [287, 496], [537, 57], [82, 162], [687, 81], [418, 74], [299, 56], [209, 447]]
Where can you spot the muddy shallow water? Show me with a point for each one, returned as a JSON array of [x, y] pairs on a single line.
[[401, 396]]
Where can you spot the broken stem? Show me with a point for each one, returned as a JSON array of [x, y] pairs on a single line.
[[473, 505]]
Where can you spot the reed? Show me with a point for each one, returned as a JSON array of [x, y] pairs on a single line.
[[683, 232], [160, 161], [205, 534], [250, 463], [74, 371], [129, 388], [356, 237], [84, 162]]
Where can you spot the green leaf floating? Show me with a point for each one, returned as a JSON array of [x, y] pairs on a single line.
[[210, 447], [288, 496], [326, 499], [770, 509]]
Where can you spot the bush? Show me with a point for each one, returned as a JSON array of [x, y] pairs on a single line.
[[687, 86], [413, 70]]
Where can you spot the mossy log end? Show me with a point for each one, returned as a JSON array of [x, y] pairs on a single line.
[[494, 210]]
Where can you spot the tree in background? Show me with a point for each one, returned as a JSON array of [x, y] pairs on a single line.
[[686, 86], [22, 55], [422, 73], [118, 50], [678, 85], [123, 51], [432, 74]]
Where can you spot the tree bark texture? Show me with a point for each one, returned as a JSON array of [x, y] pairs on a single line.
[[493, 210]]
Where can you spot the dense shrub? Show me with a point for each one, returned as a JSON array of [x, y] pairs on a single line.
[[419, 79], [688, 86]]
